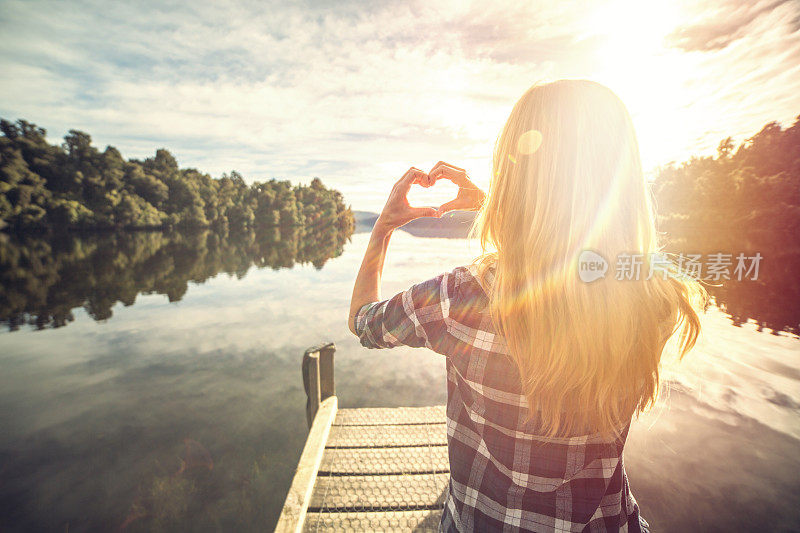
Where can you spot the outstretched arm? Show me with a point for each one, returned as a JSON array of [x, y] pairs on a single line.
[[368, 282], [396, 212]]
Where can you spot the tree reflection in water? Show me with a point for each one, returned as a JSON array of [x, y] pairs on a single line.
[[44, 278], [773, 299]]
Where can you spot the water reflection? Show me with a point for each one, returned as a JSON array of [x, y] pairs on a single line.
[[96, 415], [773, 299], [42, 279], [99, 418]]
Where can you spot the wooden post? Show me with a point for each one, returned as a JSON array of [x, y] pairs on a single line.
[[317, 369], [326, 382]]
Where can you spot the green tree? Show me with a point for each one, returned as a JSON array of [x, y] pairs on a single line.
[[75, 185]]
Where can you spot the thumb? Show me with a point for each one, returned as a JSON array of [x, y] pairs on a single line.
[[452, 205], [418, 212]]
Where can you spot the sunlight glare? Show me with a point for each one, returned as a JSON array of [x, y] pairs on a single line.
[[649, 76]]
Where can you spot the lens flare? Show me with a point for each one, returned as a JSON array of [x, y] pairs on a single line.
[[529, 142]]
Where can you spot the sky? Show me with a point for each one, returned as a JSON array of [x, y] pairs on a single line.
[[357, 92]]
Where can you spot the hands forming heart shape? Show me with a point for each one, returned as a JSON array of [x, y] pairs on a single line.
[[398, 211]]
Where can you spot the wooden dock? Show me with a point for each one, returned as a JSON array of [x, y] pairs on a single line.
[[370, 469]]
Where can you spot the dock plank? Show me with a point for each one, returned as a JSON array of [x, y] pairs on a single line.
[[417, 459], [387, 436], [427, 520], [303, 484], [375, 493], [382, 416], [381, 470]]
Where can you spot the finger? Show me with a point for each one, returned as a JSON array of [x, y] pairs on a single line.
[[458, 169], [438, 170], [448, 168], [421, 178], [442, 171], [424, 180], [452, 205], [435, 174], [453, 173], [410, 174], [404, 183]]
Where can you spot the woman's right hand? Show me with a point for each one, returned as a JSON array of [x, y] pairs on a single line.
[[469, 197]]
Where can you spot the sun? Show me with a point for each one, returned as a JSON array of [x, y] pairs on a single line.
[[636, 61]]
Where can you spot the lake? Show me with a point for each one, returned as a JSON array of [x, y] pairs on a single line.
[[169, 397]]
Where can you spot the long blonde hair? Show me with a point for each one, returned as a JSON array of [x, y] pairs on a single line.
[[567, 177]]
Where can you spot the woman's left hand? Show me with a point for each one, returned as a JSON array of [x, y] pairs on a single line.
[[397, 210]]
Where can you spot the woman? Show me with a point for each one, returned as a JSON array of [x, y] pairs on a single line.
[[544, 370]]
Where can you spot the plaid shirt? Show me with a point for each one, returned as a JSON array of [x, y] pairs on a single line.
[[503, 477]]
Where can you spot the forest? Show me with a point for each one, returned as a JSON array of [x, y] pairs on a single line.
[[745, 198], [75, 185]]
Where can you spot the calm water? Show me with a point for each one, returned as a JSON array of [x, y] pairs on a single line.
[[172, 397]]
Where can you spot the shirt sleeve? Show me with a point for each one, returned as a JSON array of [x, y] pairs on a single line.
[[417, 317]]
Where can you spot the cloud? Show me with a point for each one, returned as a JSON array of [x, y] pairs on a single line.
[[357, 94], [721, 24]]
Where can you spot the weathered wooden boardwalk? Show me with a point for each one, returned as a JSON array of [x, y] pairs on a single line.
[[371, 469]]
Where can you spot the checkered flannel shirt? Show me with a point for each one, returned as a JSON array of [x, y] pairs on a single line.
[[503, 477]]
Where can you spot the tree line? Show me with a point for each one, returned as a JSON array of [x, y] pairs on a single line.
[[745, 198], [75, 185]]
